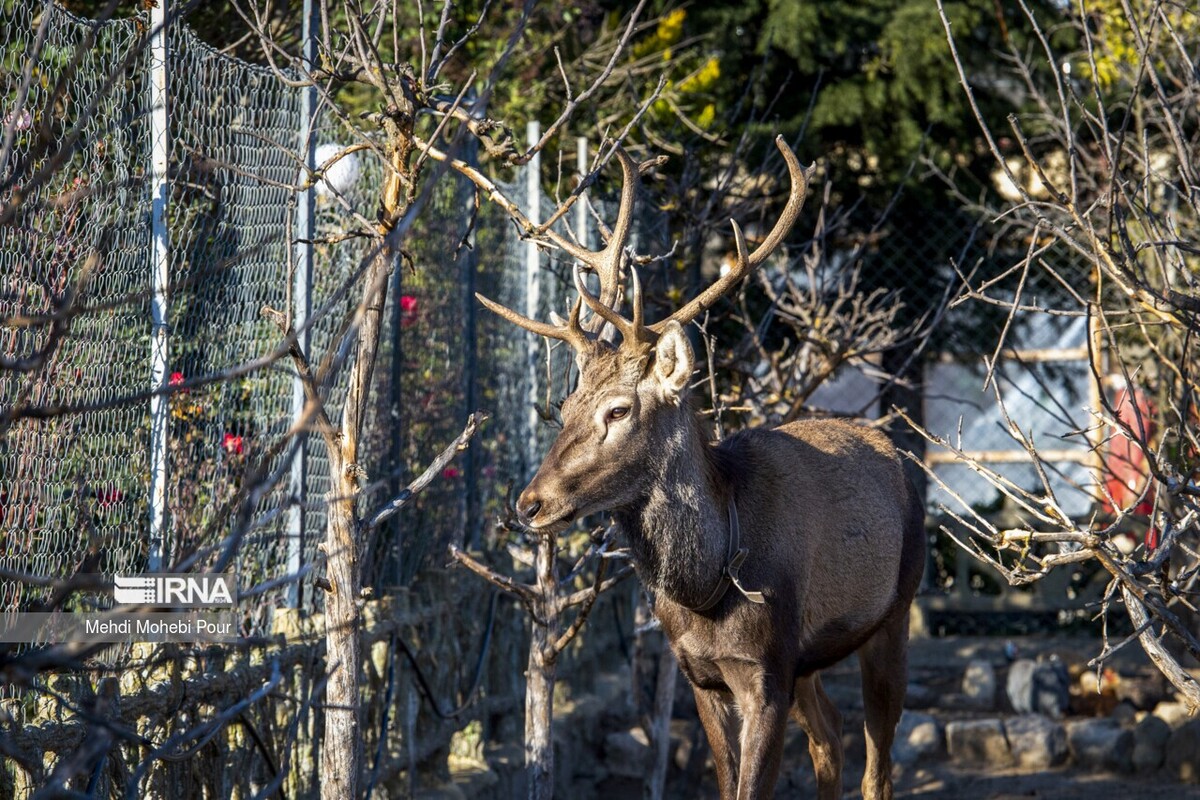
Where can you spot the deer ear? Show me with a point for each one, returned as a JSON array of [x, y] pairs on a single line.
[[673, 361]]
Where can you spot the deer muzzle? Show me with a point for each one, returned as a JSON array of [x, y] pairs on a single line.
[[539, 509]]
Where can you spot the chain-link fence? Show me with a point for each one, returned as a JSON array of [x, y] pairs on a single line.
[[235, 161], [1041, 360], [235, 141], [73, 243]]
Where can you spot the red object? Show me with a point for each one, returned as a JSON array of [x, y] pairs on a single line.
[[408, 310], [109, 497], [176, 379], [232, 444], [450, 472], [1152, 537], [1126, 472]]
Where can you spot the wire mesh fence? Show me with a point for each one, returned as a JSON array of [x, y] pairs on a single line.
[[234, 165], [73, 243], [235, 159], [76, 209], [1040, 381]]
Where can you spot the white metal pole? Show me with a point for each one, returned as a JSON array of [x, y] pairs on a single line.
[[302, 306], [581, 166], [533, 286], [160, 254]]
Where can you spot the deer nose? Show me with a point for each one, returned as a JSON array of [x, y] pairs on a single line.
[[528, 512], [528, 508]]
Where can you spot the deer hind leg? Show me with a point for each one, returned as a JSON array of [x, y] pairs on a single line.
[[822, 721], [720, 726], [884, 662]]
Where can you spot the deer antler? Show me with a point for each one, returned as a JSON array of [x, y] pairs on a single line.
[[606, 262], [572, 332], [748, 263], [637, 333], [633, 331]]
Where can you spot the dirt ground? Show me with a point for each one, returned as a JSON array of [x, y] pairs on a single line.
[[936, 667]]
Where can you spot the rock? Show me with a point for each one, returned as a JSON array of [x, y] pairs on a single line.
[[1019, 685], [1124, 714], [979, 684], [1172, 713], [918, 696], [1100, 744], [1039, 687], [1149, 743], [978, 741], [1183, 752], [1035, 741], [626, 753], [1142, 692], [953, 701], [918, 736]]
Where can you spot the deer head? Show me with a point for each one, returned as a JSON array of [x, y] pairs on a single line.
[[628, 411]]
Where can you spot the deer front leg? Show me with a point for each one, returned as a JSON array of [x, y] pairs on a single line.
[[716, 715], [764, 716]]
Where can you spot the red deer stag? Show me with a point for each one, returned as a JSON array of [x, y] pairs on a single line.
[[813, 524]]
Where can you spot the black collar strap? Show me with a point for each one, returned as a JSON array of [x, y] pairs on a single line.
[[729, 573]]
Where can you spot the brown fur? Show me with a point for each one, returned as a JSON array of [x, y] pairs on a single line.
[[836, 540]]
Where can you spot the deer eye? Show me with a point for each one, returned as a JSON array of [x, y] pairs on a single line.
[[616, 413]]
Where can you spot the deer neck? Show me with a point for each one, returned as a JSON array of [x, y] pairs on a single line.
[[678, 530]]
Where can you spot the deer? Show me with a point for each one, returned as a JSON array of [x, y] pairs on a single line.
[[813, 524]]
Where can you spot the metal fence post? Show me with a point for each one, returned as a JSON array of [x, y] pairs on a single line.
[[581, 166], [468, 264], [533, 286], [160, 275], [302, 307]]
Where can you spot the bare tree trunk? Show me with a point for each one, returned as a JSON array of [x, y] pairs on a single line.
[[660, 721], [546, 601], [341, 748], [539, 715], [541, 675]]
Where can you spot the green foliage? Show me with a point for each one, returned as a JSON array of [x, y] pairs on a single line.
[[876, 74], [1117, 56]]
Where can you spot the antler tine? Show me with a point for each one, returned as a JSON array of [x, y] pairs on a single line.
[[639, 318], [746, 263], [633, 331], [598, 308], [615, 248], [606, 262], [572, 333]]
